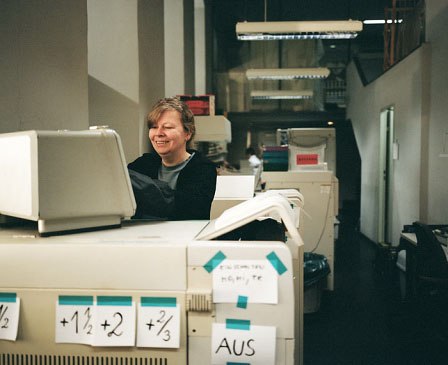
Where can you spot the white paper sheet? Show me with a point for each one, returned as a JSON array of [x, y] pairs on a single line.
[[255, 280], [114, 325], [255, 346], [9, 319], [158, 326], [74, 323]]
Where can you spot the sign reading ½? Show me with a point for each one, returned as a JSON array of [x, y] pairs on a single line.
[[9, 316]]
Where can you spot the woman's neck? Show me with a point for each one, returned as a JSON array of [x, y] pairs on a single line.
[[175, 160]]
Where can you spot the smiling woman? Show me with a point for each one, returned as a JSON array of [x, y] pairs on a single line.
[[175, 182], [169, 138]]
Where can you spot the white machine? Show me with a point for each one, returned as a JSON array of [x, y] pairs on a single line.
[[312, 161], [309, 148], [137, 261], [152, 292], [65, 180]]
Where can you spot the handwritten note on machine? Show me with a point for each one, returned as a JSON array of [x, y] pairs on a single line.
[[255, 279]]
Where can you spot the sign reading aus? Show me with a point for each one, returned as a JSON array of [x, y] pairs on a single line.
[[254, 345]]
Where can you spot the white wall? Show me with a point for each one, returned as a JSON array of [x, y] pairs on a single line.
[[114, 69], [151, 61], [179, 47], [189, 47], [126, 67], [399, 87], [43, 65], [416, 87], [437, 178], [199, 47], [74, 63], [174, 51]]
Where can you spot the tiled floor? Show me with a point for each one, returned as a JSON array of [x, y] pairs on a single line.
[[364, 321]]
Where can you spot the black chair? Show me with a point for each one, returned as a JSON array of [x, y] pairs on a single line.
[[431, 262]]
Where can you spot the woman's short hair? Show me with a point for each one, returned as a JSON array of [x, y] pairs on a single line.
[[250, 151], [186, 115]]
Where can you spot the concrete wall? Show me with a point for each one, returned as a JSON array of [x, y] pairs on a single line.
[[43, 65]]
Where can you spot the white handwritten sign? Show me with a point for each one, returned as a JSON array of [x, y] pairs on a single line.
[[158, 323], [74, 322], [240, 342], [114, 321], [255, 280], [9, 316]]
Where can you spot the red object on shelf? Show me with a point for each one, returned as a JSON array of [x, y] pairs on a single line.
[[200, 104]]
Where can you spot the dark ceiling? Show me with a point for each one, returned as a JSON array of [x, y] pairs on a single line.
[[368, 45]]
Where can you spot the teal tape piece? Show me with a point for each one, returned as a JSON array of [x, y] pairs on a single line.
[[242, 302], [214, 261], [237, 363], [276, 262], [114, 300], [8, 297], [238, 324], [75, 300], [158, 302]]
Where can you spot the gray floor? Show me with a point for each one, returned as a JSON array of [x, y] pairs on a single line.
[[364, 321]]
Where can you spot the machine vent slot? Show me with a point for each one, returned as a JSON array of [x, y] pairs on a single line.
[[30, 359], [199, 302]]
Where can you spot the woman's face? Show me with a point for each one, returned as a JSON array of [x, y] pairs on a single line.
[[168, 136]]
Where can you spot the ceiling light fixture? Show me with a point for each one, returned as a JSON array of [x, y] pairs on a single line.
[[287, 73], [338, 29], [381, 21], [280, 94]]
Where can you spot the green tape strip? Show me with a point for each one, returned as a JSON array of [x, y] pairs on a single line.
[[214, 261], [276, 262], [114, 300], [238, 324], [8, 297], [75, 300], [242, 302], [158, 302]]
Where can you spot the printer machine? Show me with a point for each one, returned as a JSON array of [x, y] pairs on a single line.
[[312, 171], [142, 262]]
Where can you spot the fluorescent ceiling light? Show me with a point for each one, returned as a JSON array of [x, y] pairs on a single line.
[[280, 94], [381, 21], [287, 73], [339, 29]]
